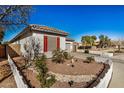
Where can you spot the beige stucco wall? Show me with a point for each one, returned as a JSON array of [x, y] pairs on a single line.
[[39, 37], [23, 40], [62, 43]]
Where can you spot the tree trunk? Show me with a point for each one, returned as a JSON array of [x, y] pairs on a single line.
[[119, 48]]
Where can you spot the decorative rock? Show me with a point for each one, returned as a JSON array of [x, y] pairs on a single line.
[[75, 78]]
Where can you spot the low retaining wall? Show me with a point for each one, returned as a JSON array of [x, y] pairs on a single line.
[[101, 53], [104, 82], [18, 78]]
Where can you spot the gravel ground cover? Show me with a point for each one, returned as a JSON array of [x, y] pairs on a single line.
[[6, 77], [80, 68]]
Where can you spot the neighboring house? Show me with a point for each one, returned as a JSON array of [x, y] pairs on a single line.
[[49, 38], [71, 46]]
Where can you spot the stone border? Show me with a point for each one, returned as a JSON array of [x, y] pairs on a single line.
[[104, 82], [75, 78]]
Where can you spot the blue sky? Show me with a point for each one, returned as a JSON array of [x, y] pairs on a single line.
[[79, 20]]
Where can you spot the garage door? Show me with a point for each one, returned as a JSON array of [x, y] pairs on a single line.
[[68, 47]]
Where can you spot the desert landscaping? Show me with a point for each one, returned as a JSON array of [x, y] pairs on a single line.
[[49, 48]]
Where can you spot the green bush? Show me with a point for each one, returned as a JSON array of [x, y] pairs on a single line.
[[118, 51], [86, 51], [45, 79], [90, 59], [59, 56], [67, 56], [71, 83]]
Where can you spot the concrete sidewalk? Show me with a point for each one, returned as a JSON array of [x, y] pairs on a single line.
[[118, 75]]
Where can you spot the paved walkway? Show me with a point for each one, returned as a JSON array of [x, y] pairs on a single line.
[[117, 80]]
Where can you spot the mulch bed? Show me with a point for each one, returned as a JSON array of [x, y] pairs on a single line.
[[9, 82], [6, 77], [80, 68], [5, 71], [94, 82], [29, 76]]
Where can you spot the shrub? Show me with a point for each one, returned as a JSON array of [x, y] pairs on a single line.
[[67, 55], [90, 59], [72, 65], [80, 47], [118, 51], [86, 51], [59, 56], [71, 83], [84, 47], [45, 79]]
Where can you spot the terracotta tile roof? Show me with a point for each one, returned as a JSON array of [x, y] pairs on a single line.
[[41, 28], [47, 29]]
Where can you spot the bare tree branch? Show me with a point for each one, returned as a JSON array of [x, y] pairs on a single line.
[[13, 16]]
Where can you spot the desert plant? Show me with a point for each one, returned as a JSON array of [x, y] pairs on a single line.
[[86, 51], [118, 51], [71, 83], [90, 59], [72, 65], [45, 79], [67, 56], [58, 56]]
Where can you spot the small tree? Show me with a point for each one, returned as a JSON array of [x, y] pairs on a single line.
[[45, 79], [104, 41], [12, 17], [32, 48]]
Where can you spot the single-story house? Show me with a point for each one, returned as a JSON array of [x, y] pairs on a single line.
[[71, 45], [49, 38]]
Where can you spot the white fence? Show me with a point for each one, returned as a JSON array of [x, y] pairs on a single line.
[[18, 78], [104, 82]]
